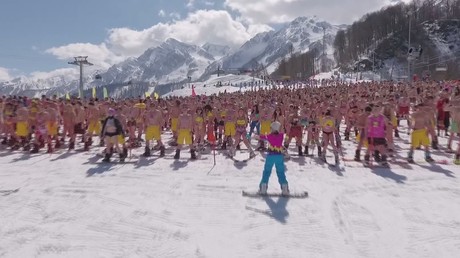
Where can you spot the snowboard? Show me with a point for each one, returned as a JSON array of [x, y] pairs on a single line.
[[299, 195]]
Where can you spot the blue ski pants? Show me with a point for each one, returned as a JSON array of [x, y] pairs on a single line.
[[276, 160], [254, 125]]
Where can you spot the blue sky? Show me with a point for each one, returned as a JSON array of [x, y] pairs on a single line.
[[42, 35], [28, 27]]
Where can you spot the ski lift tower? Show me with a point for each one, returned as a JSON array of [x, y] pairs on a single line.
[[81, 61]]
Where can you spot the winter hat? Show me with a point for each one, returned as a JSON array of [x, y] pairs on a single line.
[[275, 126]]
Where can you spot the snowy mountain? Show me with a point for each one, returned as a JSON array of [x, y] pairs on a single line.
[[268, 48], [218, 51], [38, 84], [172, 61]]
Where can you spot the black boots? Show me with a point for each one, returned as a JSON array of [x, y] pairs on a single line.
[[193, 154], [107, 157], [177, 156], [147, 152], [162, 151], [300, 150], [347, 135], [357, 155]]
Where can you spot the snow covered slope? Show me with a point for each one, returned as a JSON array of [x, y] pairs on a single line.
[[66, 205]]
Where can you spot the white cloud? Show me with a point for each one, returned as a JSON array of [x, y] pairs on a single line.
[[202, 26], [174, 15], [199, 27], [68, 73], [190, 3], [5, 74], [161, 13], [100, 54], [279, 11]]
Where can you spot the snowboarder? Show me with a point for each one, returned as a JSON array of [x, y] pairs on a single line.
[[275, 157]]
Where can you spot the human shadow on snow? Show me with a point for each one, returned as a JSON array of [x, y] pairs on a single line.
[[438, 169], [277, 210], [387, 173], [100, 169]]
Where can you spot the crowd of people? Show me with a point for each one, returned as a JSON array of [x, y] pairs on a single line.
[[370, 113]]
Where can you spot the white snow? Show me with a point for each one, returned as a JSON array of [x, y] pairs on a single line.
[[68, 206], [209, 87]]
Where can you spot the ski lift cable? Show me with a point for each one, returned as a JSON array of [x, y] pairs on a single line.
[[439, 62], [443, 55]]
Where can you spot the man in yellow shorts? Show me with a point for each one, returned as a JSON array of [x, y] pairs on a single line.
[[22, 129], [184, 136], [153, 119], [229, 126], [421, 122]]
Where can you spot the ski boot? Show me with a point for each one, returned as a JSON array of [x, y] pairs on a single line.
[[306, 150], [5, 141], [238, 147], [35, 149], [367, 162], [11, 142], [337, 160], [193, 154], [50, 148], [284, 190], [123, 155], [428, 158], [162, 151], [377, 156], [147, 152], [396, 133], [300, 151], [357, 155], [434, 145], [107, 157], [86, 147], [320, 152], [71, 145], [263, 189], [26, 147], [224, 145], [57, 145], [347, 135], [410, 157], [384, 162], [15, 147], [177, 156]]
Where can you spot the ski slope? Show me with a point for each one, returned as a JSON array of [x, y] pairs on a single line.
[[67, 205]]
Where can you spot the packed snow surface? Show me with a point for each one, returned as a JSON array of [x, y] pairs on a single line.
[[66, 204]]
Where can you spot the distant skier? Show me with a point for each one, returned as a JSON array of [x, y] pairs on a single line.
[[275, 157], [111, 129]]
